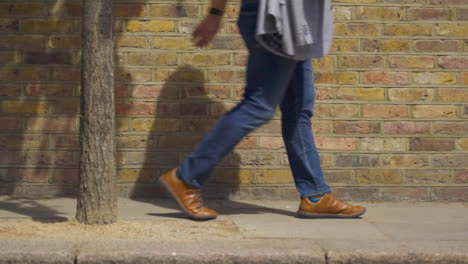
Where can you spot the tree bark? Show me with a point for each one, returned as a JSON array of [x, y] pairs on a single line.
[[97, 194]]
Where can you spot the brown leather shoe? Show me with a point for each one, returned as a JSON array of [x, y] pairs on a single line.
[[188, 197], [328, 207]]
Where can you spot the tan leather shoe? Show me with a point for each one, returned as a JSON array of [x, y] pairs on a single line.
[[328, 207], [188, 197]]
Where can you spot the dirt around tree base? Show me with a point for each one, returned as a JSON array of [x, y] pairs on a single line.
[[122, 229]]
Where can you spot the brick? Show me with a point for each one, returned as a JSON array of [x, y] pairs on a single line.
[[465, 78], [150, 159], [24, 107], [47, 57], [29, 175], [462, 144], [411, 62], [152, 59], [336, 110], [408, 30], [66, 176], [357, 30], [336, 78], [333, 143], [133, 75], [205, 59], [129, 10], [58, 90], [178, 142], [151, 124], [405, 160], [435, 78], [436, 46], [150, 26], [378, 177], [247, 143], [64, 42], [11, 157], [419, 13], [449, 194], [356, 160], [321, 127], [406, 127], [450, 128], [343, 13], [47, 26], [66, 74], [65, 9], [384, 111], [386, 78], [136, 175], [461, 177], [356, 127], [8, 57], [228, 43], [23, 74], [270, 142], [65, 158], [379, 13], [339, 176], [173, 43], [453, 62], [24, 141], [10, 90], [449, 2], [449, 160], [362, 61], [10, 123], [9, 25], [255, 158], [135, 141], [452, 30], [344, 45], [134, 108], [241, 59], [22, 9], [274, 176], [324, 62], [154, 92], [194, 76], [66, 107], [174, 10], [271, 127], [427, 176], [323, 93], [410, 94], [227, 76], [198, 127], [382, 144], [431, 144], [132, 42], [385, 45], [462, 13], [361, 94], [66, 141], [122, 124], [405, 194], [210, 92], [434, 111], [22, 42], [51, 124]]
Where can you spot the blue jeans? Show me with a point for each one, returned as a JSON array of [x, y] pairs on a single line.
[[271, 81]]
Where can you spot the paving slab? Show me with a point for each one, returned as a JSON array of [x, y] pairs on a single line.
[[36, 252]]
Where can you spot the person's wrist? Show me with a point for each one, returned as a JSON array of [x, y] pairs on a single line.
[[216, 11]]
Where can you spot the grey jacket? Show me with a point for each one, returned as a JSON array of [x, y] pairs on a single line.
[[297, 29]]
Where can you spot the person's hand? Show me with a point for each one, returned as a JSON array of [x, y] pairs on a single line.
[[206, 30]]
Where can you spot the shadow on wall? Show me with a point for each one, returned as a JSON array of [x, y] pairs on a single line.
[[186, 110]]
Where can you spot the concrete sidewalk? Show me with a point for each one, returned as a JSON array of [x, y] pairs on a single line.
[[265, 232]]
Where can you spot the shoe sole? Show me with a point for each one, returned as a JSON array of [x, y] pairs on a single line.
[[308, 215], [182, 207]]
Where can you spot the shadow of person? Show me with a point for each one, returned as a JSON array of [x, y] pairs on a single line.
[[187, 109]]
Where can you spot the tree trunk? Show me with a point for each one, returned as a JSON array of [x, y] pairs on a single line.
[[97, 194]]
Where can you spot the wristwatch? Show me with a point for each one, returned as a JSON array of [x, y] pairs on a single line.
[[216, 11]]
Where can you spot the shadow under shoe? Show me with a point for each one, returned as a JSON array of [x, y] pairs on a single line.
[[188, 197]]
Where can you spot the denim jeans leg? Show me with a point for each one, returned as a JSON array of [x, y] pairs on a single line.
[[268, 76], [297, 109]]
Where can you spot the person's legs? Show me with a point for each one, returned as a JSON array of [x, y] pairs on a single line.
[[268, 76], [297, 109]]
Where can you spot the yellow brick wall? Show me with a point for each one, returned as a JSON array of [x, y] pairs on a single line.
[[391, 115]]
